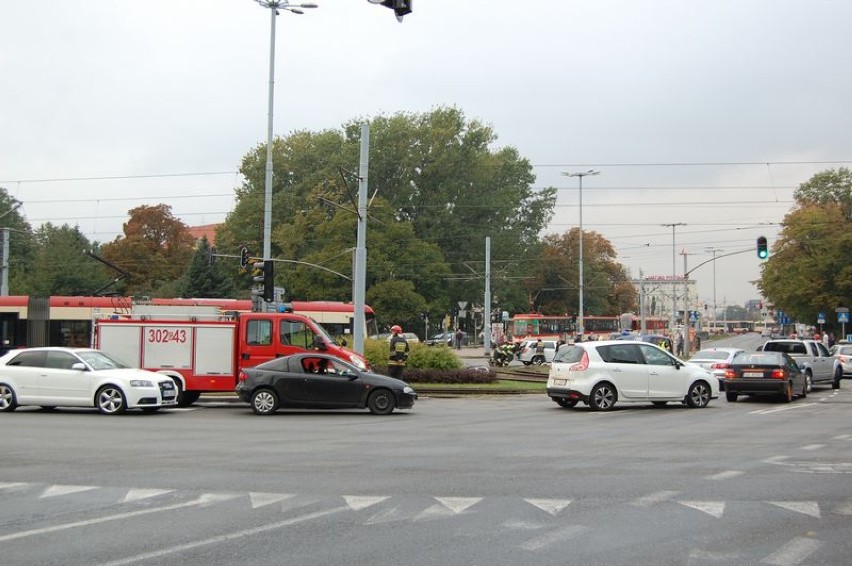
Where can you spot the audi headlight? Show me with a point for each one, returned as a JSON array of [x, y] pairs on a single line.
[[141, 383], [408, 390]]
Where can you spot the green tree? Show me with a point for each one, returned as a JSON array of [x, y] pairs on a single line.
[[808, 270], [155, 250], [21, 244], [828, 187], [63, 264], [396, 302], [205, 278], [437, 173]]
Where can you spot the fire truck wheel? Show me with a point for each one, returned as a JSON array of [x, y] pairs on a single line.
[[381, 402], [187, 398], [264, 402]]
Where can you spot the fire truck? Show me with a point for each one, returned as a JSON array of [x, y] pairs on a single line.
[[203, 349]]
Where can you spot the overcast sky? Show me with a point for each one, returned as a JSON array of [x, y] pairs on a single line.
[[703, 113]]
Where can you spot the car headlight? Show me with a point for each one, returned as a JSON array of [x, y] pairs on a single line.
[[359, 363], [141, 383], [408, 390]]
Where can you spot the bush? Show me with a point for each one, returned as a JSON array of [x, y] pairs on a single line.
[[426, 364]]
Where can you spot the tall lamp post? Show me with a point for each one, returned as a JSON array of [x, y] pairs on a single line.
[[674, 276], [713, 251], [4, 276], [274, 6], [588, 173]]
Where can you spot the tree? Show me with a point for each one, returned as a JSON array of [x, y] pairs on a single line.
[[62, 263], [21, 244], [553, 288], [205, 278], [808, 270], [441, 190], [155, 250], [396, 302]]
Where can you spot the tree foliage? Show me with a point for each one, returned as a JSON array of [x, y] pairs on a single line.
[[63, 264], [155, 250], [554, 287], [808, 270], [204, 278], [21, 244], [438, 188]]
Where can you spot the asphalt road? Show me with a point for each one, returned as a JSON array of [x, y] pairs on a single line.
[[490, 480]]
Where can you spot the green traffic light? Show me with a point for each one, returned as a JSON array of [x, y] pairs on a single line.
[[762, 249]]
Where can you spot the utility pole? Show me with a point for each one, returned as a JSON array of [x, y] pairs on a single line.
[[359, 281], [674, 277], [486, 326]]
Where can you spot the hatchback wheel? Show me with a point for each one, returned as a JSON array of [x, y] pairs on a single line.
[[538, 360], [698, 396], [603, 397], [264, 402], [8, 402], [110, 400], [381, 402]]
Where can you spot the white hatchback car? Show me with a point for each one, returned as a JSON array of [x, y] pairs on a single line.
[[601, 374], [529, 355], [80, 377]]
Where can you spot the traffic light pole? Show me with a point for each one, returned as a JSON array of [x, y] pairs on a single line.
[[359, 282]]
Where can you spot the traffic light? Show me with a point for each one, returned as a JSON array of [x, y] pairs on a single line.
[[399, 7], [762, 251], [264, 274], [244, 257]]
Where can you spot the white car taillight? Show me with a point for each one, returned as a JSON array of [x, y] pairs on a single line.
[[582, 365]]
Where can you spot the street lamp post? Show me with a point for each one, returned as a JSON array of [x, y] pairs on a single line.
[[588, 173], [674, 276], [274, 6], [713, 251]]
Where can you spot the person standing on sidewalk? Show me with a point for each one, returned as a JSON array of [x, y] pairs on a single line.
[[398, 352]]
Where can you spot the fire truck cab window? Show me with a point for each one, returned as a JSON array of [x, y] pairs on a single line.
[[296, 334], [259, 332]]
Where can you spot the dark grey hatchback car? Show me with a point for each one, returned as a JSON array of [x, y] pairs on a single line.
[[320, 381]]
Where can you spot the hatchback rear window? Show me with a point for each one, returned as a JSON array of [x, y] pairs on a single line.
[[759, 358], [569, 355]]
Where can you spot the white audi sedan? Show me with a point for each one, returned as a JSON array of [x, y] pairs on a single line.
[[601, 374], [80, 377]]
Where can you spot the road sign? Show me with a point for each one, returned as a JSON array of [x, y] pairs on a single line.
[[843, 317], [820, 318]]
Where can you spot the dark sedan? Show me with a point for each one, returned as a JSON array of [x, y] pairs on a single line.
[[759, 373], [319, 381]]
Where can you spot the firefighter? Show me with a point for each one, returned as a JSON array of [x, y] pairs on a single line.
[[398, 352]]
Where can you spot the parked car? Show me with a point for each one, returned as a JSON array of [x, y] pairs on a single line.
[[762, 373], [843, 354], [446, 338], [319, 381], [600, 374], [716, 361], [80, 377], [528, 354]]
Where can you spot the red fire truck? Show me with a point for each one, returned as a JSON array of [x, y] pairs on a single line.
[[203, 351]]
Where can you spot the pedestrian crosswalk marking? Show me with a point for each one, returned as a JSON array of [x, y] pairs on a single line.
[[358, 502], [259, 499], [807, 507], [714, 508], [552, 506], [458, 504], [57, 490], [137, 494]]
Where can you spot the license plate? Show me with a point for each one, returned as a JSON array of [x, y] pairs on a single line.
[[752, 374], [169, 395], [559, 381]]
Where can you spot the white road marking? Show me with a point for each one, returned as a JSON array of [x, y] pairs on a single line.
[[137, 494], [793, 552], [653, 498], [205, 499], [725, 475], [699, 554], [13, 485], [807, 507], [392, 515], [554, 537], [261, 499], [552, 506], [842, 437], [224, 538], [714, 508], [843, 508], [812, 447], [782, 408], [778, 460], [57, 490], [358, 502], [458, 504], [436, 511]]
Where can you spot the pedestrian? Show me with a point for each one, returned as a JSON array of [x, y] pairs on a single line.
[[831, 339], [459, 338], [825, 339], [679, 343], [398, 352]]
